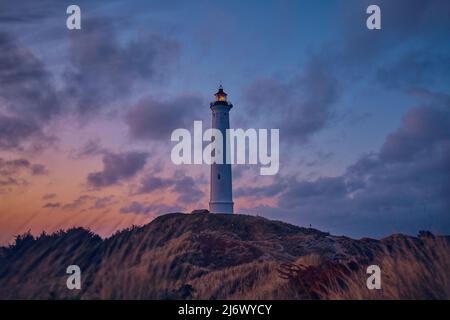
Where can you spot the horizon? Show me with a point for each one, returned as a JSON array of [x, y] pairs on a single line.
[[133, 227]]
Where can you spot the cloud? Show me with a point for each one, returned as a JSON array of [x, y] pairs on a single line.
[[9, 167], [136, 208], [299, 192], [16, 166], [89, 202], [155, 119], [415, 68], [16, 172], [403, 188], [14, 130], [100, 72], [49, 196], [301, 106], [104, 69], [410, 50], [186, 187], [38, 169], [26, 86], [401, 21], [103, 202], [78, 202], [150, 183], [305, 104], [51, 205], [422, 128], [28, 98], [117, 167], [265, 191], [91, 148], [28, 11], [7, 182]]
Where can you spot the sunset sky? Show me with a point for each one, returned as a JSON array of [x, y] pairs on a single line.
[[86, 115]]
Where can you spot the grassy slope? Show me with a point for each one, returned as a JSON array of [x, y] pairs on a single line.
[[223, 257]]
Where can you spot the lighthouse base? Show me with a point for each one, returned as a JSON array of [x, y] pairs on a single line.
[[221, 207]]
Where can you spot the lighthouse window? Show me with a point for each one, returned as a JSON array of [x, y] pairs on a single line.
[[218, 176]]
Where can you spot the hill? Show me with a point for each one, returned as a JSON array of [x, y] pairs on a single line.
[[214, 256]]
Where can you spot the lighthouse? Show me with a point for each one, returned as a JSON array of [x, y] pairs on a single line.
[[221, 194]]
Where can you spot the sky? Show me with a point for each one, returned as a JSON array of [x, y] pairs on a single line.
[[86, 115]]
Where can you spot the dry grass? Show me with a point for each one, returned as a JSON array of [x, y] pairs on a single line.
[[223, 257], [411, 268]]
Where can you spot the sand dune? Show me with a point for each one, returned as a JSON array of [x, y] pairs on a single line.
[[212, 256]]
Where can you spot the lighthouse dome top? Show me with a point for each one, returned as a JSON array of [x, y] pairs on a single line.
[[220, 94], [221, 99]]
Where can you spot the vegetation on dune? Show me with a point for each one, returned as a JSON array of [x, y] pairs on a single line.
[[207, 256]]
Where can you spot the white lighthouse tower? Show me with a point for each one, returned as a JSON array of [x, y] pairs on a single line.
[[221, 196]]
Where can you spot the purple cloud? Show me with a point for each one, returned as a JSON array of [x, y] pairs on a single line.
[[78, 202], [103, 69], [117, 167], [91, 148], [16, 166], [49, 196], [14, 130], [403, 188], [150, 183], [421, 129], [102, 202], [186, 187], [38, 169], [51, 205], [301, 106], [155, 119]]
